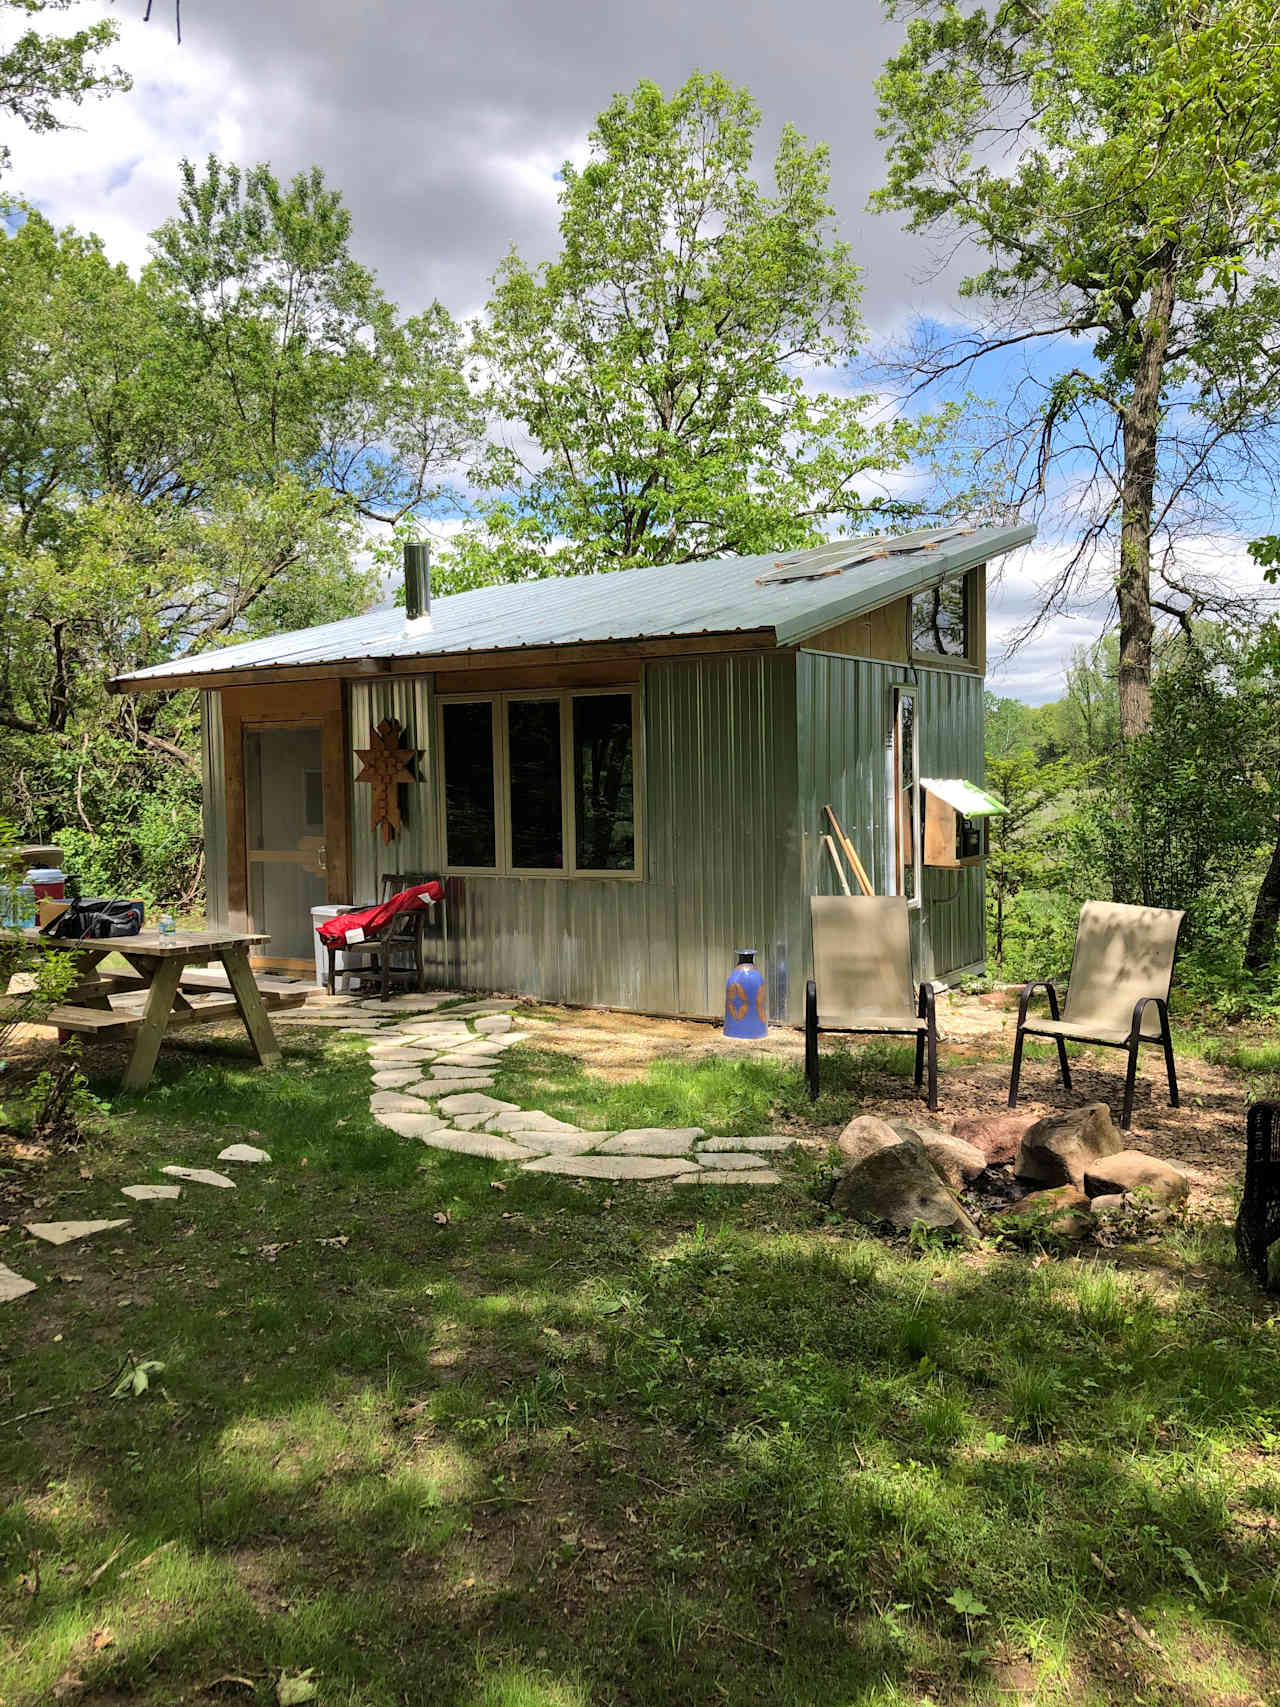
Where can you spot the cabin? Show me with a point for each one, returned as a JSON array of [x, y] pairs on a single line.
[[621, 778]]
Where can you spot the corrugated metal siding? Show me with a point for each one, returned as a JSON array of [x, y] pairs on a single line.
[[214, 809], [720, 852], [844, 715]]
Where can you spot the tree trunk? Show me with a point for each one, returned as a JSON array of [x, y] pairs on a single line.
[[1261, 945], [1137, 500]]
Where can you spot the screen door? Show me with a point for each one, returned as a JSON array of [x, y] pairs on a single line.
[[285, 835]]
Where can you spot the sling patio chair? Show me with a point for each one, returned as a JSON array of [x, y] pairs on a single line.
[[1122, 965], [862, 979]]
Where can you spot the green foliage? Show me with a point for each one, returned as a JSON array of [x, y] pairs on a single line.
[[39, 71], [1026, 842], [189, 458], [1114, 163], [658, 362]]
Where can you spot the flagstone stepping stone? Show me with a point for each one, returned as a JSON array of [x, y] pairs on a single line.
[[411, 1125], [731, 1176], [532, 1120], [201, 1176], [449, 1068], [490, 1005], [479, 1144], [730, 1159], [491, 1023], [507, 1041], [764, 1145], [472, 1102], [556, 1143], [64, 1232], [467, 1082], [653, 1141], [152, 1193], [243, 1153], [475, 1055], [395, 1079], [13, 1285], [397, 1102], [610, 1167], [468, 1122]]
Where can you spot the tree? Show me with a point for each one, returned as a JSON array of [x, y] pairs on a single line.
[[38, 72], [1023, 853], [1116, 163], [661, 364], [188, 458]]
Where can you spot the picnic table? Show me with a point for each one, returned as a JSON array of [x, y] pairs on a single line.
[[173, 994]]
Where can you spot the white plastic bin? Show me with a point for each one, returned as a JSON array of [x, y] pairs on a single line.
[[318, 917]]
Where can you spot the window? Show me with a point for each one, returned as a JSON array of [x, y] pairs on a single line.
[[470, 817], [543, 784], [940, 619], [537, 794], [603, 782], [904, 784]]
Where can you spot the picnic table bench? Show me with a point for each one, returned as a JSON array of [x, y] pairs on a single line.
[[166, 969]]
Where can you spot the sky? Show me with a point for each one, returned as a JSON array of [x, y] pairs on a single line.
[[444, 127]]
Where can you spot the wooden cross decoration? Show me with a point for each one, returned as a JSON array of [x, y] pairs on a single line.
[[386, 765]]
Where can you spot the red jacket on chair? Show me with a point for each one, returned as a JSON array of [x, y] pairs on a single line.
[[370, 920]]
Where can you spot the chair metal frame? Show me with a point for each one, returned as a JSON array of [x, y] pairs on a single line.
[[1131, 1043]]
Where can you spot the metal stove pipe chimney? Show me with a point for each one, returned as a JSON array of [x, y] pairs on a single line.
[[417, 583]]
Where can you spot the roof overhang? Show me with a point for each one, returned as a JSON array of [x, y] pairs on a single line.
[[961, 555]]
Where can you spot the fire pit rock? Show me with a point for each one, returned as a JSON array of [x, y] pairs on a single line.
[[1057, 1150], [1062, 1209], [1134, 1171], [957, 1161], [996, 1135], [864, 1135], [896, 1184]]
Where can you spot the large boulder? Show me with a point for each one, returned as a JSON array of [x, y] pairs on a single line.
[[898, 1185], [1135, 1171], [864, 1135], [996, 1135], [958, 1162], [1058, 1149], [1062, 1210]]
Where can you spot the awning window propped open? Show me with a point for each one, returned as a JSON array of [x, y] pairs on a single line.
[[965, 797]]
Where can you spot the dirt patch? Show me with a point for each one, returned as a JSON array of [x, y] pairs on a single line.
[[1204, 1137]]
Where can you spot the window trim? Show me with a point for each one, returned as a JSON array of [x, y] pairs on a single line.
[[897, 845], [502, 783], [965, 660]]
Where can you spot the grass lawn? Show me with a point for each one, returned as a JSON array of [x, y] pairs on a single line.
[[436, 1431]]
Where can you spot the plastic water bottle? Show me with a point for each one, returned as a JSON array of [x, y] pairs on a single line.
[[6, 906], [24, 906], [167, 926]]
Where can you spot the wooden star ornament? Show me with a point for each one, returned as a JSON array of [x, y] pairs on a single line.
[[387, 764]]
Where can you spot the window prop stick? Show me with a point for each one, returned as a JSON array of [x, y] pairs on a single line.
[[835, 860], [850, 853]]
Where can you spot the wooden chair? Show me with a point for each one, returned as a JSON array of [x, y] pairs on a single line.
[[1122, 964], [862, 979], [404, 932]]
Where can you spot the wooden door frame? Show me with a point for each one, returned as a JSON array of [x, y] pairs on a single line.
[[279, 706]]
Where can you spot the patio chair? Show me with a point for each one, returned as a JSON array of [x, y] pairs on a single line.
[[1121, 966], [862, 979], [401, 929]]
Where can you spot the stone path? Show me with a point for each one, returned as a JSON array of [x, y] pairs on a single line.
[[432, 1078]]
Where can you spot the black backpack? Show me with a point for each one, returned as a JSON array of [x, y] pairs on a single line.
[[97, 918]]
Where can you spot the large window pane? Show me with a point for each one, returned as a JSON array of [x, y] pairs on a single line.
[[603, 782], [470, 832], [940, 619], [533, 755]]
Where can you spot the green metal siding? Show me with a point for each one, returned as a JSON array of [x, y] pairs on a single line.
[[720, 852], [844, 722]]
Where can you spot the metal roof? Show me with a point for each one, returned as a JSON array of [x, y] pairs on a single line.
[[721, 595]]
